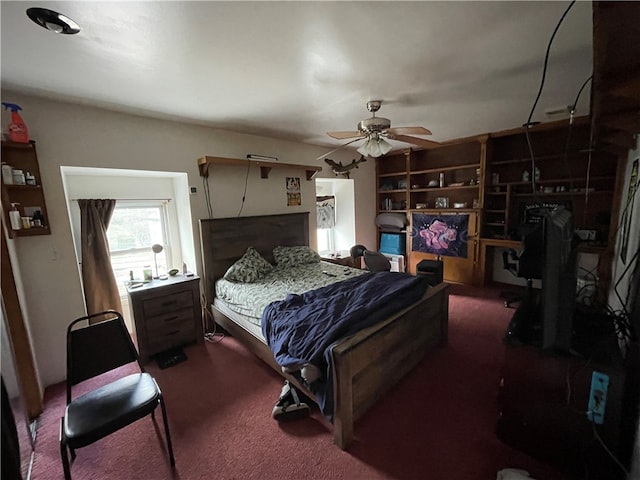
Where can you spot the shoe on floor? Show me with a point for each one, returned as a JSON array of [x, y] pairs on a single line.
[[289, 406]]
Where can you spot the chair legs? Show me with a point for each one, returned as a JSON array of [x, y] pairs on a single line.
[[510, 297], [513, 297], [63, 453], [172, 460], [63, 445]]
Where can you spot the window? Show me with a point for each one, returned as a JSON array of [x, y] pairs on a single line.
[[325, 241], [134, 228]]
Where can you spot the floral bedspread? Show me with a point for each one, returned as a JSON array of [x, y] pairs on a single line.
[[250, 299]]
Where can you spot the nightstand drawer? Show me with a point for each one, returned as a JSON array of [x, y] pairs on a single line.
[[168, 303], [169, 320], [170, 336]]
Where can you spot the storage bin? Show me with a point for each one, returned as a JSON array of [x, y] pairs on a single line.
[[393, 243], [433, 269]]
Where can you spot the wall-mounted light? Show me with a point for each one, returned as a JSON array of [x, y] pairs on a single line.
[[264, 158], [53, 21]]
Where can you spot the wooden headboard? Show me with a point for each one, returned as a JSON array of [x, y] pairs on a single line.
[[224, 240]]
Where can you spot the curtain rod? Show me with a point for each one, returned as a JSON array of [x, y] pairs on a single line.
[[130, 199]]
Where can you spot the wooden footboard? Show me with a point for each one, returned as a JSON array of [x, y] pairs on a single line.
[[370, 362]]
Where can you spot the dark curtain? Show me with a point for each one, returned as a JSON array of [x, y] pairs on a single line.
[[100, 287]]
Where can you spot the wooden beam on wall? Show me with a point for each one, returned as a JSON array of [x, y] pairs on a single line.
[[23, 355]]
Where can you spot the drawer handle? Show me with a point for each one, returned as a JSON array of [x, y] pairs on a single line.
[[171, 319], [166, 304], [173, 333]]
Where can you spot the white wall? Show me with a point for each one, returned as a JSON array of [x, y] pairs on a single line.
[[345, 217], [75, 135]]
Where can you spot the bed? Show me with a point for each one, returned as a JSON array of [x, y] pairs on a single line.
[[364, 365]]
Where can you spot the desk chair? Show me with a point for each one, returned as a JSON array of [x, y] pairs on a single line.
[[91, 351], [527, 264], [374, 261]]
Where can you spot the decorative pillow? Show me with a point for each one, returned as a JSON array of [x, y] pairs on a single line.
[[291, 256], [249, 268]]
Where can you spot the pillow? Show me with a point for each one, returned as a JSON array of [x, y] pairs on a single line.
[[391, 221], [249, 268], [291, 256]]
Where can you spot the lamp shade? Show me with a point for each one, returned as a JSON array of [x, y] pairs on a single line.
[[375, 146], [157, 248]]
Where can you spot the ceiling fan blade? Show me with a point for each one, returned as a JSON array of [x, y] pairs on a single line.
[[345, 135], [336, 149], [409, 131], [421, 142]]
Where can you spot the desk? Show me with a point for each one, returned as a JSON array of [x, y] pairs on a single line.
[[484, 270], [543, 399], [483, 273]]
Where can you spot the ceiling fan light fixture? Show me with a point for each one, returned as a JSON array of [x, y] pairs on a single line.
[[374, 124], [375, 146], [53, 21]]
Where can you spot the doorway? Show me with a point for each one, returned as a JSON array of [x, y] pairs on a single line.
[[336, 241]]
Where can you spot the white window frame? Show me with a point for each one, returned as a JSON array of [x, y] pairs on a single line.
[[166, 244], [328, 234]]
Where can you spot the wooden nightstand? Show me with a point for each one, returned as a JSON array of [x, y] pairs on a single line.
[[166, 314], [346, 261]]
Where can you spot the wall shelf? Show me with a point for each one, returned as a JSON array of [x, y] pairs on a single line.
[[27, 197], [451, 168], [563, 173], [265, 167]]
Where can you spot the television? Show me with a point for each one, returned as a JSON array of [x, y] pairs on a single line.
[[559, 278]]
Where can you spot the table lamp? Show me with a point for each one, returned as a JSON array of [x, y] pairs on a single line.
[[157, 248]]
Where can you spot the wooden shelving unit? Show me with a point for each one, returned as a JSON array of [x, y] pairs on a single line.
[[405, 185], [404, 178], [23, 156], [204, 164], [570, 174]]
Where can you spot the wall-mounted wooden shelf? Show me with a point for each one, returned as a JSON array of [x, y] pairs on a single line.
[[27, 197], [265, 167]]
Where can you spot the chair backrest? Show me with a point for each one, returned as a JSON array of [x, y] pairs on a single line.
[[510, 266], [97, 348], [531, 258], [376, 262], [357, 251]]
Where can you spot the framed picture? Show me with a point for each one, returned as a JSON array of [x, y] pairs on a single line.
[[293, 191]]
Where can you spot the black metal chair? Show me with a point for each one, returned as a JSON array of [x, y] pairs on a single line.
[[91, 351]]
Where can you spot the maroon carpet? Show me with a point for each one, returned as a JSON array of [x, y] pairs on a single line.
[[438, 423]]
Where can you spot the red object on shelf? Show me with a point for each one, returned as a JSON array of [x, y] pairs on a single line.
[[18, 131]]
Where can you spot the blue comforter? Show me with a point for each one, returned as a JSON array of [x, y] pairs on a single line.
[[301, 329]]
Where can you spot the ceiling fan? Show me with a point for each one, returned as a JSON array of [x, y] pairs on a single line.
[[375, 130]]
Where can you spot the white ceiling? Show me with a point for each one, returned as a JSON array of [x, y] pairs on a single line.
[[296, 70]]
